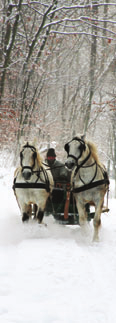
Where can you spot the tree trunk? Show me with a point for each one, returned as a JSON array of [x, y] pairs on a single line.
[[92, 69], [114, 151]]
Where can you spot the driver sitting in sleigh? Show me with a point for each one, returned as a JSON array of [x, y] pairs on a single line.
[[58, 170]]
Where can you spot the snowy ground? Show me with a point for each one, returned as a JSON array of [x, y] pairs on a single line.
[[55, 274]]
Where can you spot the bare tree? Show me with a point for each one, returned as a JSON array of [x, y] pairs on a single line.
[[53, 76]]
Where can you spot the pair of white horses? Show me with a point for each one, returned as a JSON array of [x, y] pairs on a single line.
[[33, 182]]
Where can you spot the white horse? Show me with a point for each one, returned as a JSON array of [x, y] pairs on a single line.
[[33, 183], [89, 178]]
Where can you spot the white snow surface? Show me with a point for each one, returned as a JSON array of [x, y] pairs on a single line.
[[55, 273]]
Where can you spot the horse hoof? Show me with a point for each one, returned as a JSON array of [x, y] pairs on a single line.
[[40, 216], [95, 239], [25, 217]]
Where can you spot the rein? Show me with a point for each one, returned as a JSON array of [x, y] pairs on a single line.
[[52, 167]]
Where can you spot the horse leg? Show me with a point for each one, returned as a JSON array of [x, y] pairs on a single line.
[[97, 220], [25, 213], [25, 217], [40, 215], [34, 210], [82, 213]]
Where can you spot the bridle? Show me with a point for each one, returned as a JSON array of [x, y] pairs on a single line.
[[82, 148], [78, 166], [91, 184], [34, 157], [44, 184]]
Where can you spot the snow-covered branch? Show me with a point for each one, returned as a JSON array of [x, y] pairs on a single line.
[[98, 20], [88, 6], [80, 33]]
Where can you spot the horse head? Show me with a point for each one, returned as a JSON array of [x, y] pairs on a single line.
[[74, 149], [28, 156]]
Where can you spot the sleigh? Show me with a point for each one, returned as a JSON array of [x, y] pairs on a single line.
[[36, 193], [63, 207]]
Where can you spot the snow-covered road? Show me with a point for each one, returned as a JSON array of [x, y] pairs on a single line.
[[55, 274]]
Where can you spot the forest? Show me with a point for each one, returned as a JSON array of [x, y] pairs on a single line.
[[58, 74]]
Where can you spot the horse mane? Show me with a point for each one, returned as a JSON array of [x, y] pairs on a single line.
[[92, 147], [94, 151], [39, 158]]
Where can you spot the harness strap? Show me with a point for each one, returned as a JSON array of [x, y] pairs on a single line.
[[29, 185], [93, 176], [90, 185], [45, 185], [66, 207], [46, 179], [81, 165]]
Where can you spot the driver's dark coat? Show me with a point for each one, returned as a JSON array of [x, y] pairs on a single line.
[[59, 172]]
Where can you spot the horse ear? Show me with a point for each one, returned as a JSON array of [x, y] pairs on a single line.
[[83, 137], [66, 147], [83, 141], [34, 142]]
